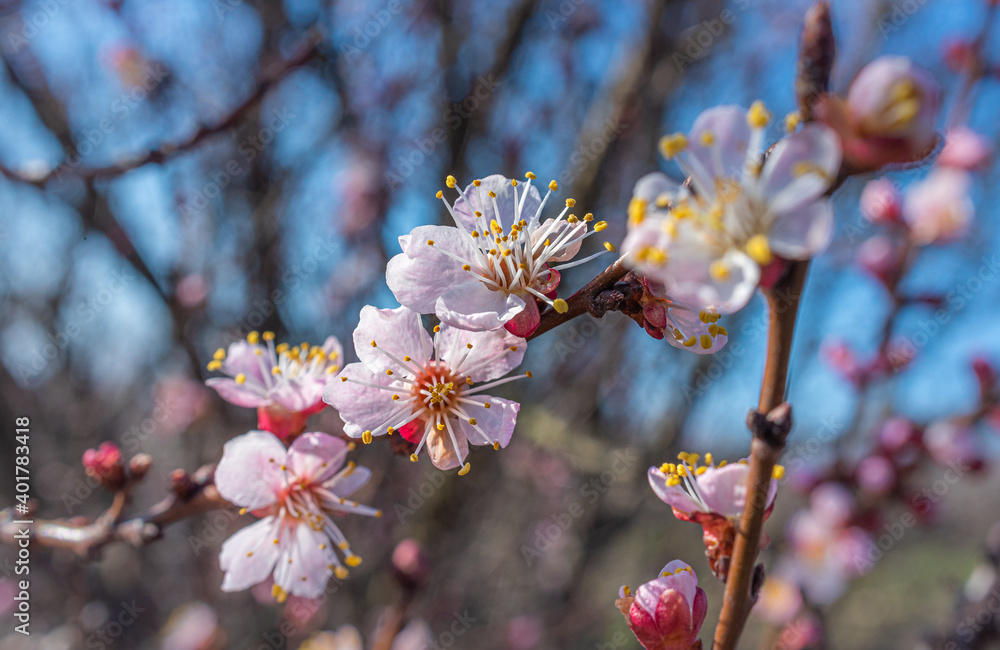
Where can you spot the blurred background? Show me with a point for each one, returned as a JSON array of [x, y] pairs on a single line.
[[178, 173]]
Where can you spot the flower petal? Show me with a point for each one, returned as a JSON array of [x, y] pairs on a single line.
[[349, 482], [724, 489], [362, 408], [306, 563], [237, 394], [494, 424], [800, 168], [803, 232], [727, 129], [441, 450], [691, 280], [315, 457], [248, 556], [249, 474], [504, 191], [421, 273], [242, 358], [489, 357], [473, 306], [527, 321], [675, 497], [398, 331], [690, 324]]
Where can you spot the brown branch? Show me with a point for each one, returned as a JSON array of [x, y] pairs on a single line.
[[583, 301], [190, 495], [303, 53]]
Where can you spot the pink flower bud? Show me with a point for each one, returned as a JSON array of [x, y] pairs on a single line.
[[879, 257], [896, 433], [876, 475], [105, 465], [965, 149], [880, 201], [892, 99], [666, 613], [411, 565], [938, 208]]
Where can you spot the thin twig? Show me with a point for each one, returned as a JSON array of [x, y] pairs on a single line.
[[303, 53], [582, 302]]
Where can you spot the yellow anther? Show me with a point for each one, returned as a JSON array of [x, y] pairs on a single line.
[[275, 371], [219, 355], [706, 341], [465, 469], [439, 195], [278, 593], [572, 218], [241, 378], [343, 379], [708, 458], [253, 338], [341, 573], [437, 328], [560, 305], [472, 421], [281, 348], [723, 463], [430, 242], [366, 437], [713, 329], [388, 371], [703, 316], [693, 458], [496, 446], [759, 250], [466, 267], [778, 472], [719, 271], [413, 458], [683, 456], [689, 343], [671, 145], [214, 365], [513, 182], [527, 373], [450, 181], [722, 331], [530, 176], [700, 471], [243, 511], [707, 138], [353, 560], [513, 348], [477, 183], [390, 431], [758, 116], [374, 345], [673, 481], [600, 225], [636, 212], [570, 202], [665, 468], [792, 121], [468, 345], [440, 426], [611, 248]]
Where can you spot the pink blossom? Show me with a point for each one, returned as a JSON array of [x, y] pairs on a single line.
[[896, 433], [712, 496], [666, 613], [881, 202], [426, 390], [876, 475], [888, 116], [780, 600], [825, 554], [194, 626], [285, 384], [294, 491], [710, 242], [493, 267], [880, 257], [105, 464], [938, 208], [965, 149]]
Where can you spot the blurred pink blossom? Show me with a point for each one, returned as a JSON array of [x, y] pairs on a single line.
[[965, 149], [938, 208], [881, 201]]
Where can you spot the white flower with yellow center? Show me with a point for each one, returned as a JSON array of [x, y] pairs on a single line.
[[493, 267], [706, 242]]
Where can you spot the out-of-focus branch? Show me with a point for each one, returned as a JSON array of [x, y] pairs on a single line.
[[307, 48], [190, 495]]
